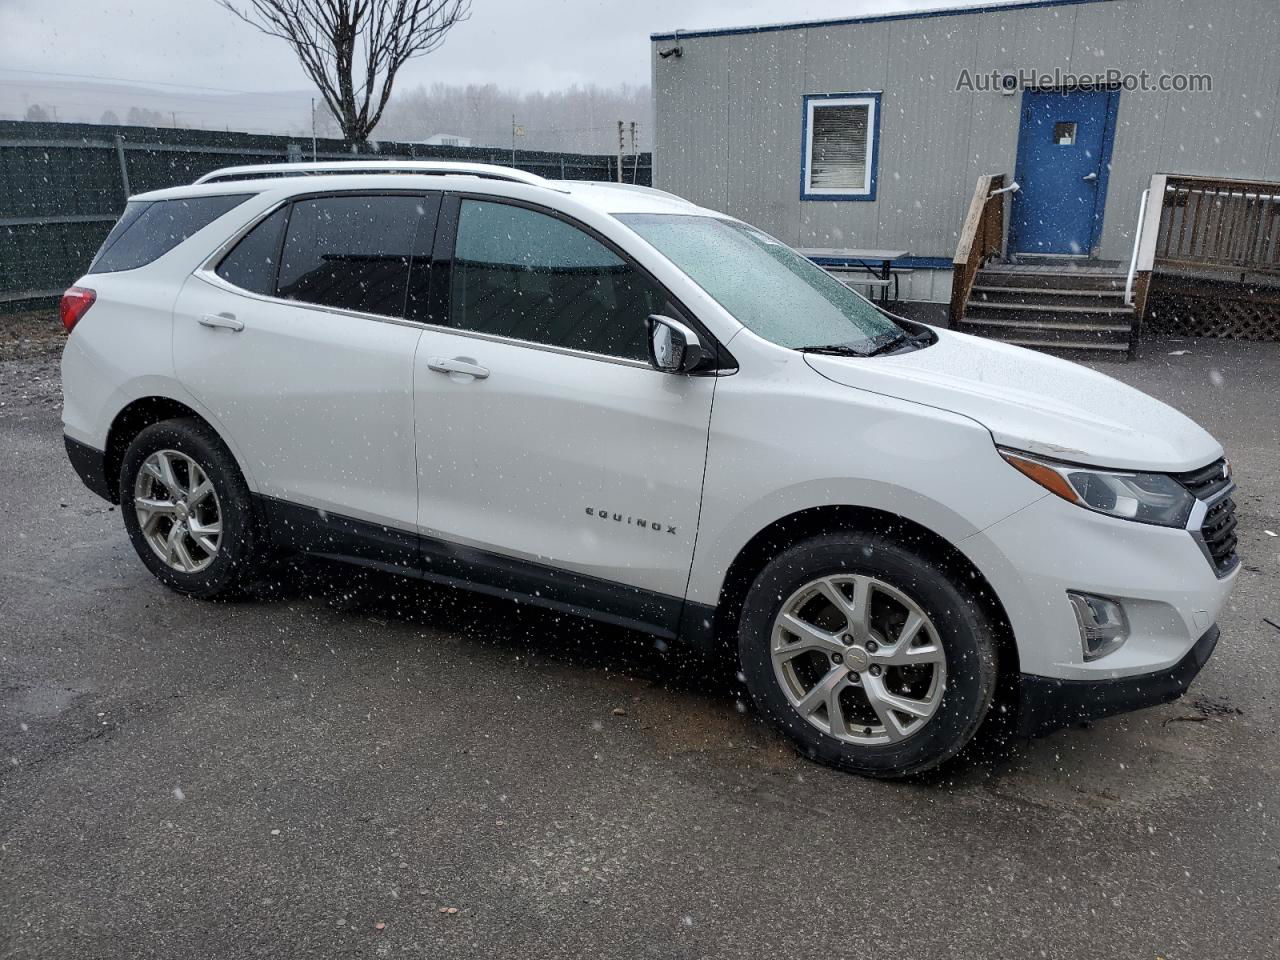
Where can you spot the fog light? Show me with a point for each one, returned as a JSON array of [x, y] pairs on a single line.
[[1103, 626]]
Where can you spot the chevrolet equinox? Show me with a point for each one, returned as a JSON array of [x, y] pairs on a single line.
[[609, 401]]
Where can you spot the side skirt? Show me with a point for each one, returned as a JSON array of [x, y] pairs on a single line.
[[390, 549]]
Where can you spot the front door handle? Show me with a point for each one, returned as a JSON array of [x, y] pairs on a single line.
[[458, 365], [224, 321], [1090, 177]]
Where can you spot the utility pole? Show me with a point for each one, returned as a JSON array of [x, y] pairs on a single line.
[[517, 130], [313, 129], [635, 156], [621, 147]]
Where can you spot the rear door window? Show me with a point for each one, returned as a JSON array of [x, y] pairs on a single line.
[[150, 229], [354, 252]]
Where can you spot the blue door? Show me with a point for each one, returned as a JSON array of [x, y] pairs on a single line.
[[1064, 152]]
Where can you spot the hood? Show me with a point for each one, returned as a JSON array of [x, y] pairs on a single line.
[[1034, 402]]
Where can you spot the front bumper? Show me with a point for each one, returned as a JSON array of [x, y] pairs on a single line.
[[1047, 703], [1170, 592]]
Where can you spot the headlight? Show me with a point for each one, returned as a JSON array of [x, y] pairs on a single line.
[[1145, 497]]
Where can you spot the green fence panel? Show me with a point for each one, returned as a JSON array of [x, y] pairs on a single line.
[[62, 185]]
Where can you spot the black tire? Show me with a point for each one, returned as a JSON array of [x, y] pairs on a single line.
[[963, 630], [237, 560]]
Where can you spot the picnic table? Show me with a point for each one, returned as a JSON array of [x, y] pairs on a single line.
[[878, 265]]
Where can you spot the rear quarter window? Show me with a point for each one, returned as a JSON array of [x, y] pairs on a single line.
[[148, 230], [251, 265]]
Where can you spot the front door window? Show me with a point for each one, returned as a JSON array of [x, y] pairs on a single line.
[[526, 275]]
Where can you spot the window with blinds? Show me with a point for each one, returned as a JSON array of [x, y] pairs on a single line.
[[840, 147]]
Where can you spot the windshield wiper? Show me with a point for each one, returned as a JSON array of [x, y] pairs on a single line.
[[881, 343], [894, 341], [835, 350]]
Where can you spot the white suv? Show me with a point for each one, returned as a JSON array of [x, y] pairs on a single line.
[[609, 401]]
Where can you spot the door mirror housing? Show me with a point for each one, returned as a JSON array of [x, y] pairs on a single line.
[[673, 346]]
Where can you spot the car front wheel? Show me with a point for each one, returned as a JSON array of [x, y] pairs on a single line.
[[867, 655]]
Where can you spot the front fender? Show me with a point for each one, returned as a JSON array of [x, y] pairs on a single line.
[[793, 441], [713, 557]]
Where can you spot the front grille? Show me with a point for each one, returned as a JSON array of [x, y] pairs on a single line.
[[1207, 481], [1218, 535]]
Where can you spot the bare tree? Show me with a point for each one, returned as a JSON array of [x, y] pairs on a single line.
[[353, 49]]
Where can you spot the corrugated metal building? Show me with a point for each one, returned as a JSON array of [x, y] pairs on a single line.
[[872, 132]]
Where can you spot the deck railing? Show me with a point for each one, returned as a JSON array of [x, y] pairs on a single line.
[[1210, 222], [981, 238], [1212, 228]]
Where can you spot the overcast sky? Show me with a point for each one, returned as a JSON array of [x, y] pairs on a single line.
[[521, 44]]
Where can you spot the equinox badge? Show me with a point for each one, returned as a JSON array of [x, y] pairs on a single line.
[[632, 521]]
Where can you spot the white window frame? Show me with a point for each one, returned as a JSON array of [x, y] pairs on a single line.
[[871, 100]]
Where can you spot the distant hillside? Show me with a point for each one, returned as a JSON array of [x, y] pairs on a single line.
[[90, 101], [578, 120]]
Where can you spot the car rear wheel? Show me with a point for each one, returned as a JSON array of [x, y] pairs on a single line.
[[867, 655], [187, 509]]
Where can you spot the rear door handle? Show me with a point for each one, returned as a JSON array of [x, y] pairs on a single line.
[[458, 365], [1090, 177], [223, 321]]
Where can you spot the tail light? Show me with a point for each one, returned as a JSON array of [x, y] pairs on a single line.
[[75, 304]]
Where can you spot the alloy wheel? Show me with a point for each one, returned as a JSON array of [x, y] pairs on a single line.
[[858, 659], [178, 511]]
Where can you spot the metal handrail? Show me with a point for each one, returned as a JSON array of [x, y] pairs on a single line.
[[1137, 239], [438, 167]]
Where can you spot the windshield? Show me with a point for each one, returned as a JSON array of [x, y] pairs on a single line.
[[772, 290]]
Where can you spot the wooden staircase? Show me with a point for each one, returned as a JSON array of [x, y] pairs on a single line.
[[1058, 304], [1076, 310]]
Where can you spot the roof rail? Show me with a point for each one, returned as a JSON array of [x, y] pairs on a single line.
[[439, 167]]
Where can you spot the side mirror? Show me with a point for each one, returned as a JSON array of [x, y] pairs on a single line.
[[673, 347]]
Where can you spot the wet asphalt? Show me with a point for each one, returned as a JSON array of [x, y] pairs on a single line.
[[361, 766]]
